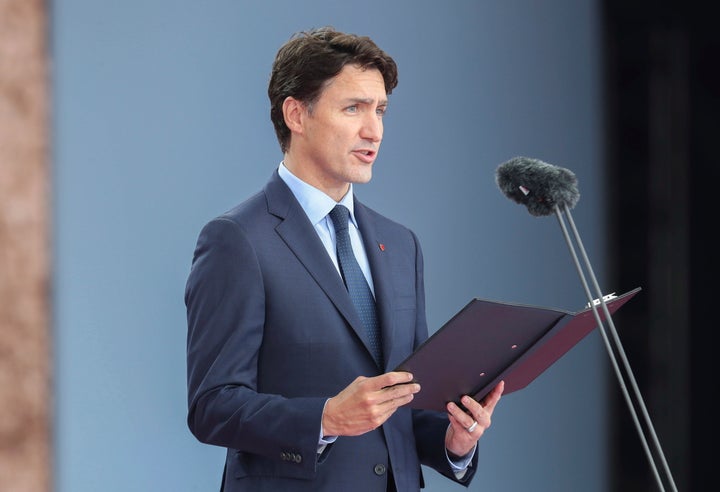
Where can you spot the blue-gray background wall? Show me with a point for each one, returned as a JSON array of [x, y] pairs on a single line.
[[160, 122]]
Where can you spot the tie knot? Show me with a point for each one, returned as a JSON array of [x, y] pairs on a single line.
[[339, 216]]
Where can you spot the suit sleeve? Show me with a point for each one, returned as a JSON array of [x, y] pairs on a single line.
[[225, 303]]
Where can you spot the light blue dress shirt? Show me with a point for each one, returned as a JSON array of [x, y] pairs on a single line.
[[317, 205]]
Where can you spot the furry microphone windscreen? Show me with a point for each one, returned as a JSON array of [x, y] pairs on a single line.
[[537, 185]]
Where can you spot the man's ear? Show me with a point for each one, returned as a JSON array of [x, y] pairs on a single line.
[[294, 114]]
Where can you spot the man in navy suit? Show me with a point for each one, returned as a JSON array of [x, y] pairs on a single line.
[[280, 368]]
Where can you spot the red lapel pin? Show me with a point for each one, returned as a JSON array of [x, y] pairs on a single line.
[[382, 246]]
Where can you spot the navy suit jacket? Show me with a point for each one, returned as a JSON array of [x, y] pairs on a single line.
[[272, 334]]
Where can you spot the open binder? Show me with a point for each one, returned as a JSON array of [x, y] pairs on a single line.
[[489, 341]]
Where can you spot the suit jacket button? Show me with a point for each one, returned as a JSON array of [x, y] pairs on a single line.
[[297, 458], [283, 456], [379, 469]]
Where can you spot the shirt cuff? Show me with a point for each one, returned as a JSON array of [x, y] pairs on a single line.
[[462, 463], [323, 441]]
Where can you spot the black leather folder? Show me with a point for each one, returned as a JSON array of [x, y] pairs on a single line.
[[489, 341]]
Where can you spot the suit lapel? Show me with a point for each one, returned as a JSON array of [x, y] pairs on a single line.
[[299, 235]]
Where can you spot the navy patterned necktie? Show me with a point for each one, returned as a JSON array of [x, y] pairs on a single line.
[[355, 281]]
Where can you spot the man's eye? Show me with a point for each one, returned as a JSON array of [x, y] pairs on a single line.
[[381, 111], [352, 109]]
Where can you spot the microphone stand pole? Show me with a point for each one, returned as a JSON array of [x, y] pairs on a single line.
[[619, 348]]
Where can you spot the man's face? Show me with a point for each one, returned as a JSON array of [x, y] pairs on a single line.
[[341, 133]]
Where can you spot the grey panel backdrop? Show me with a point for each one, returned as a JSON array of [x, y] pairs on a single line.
[[161, 122]]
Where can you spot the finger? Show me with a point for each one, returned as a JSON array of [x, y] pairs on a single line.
[[393, 378], [466, 430], [399, 395], [401, 390], [472, 406], [493, 398], [461, 417]]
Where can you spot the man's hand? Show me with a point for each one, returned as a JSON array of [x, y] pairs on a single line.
[[467, 427], [367, 403]]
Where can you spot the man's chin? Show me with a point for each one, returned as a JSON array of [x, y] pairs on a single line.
[[362, 177]]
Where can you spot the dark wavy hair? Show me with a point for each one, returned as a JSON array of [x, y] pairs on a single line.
[[309, 59]]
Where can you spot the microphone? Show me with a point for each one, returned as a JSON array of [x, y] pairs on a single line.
[[545, 189], [537, 185]]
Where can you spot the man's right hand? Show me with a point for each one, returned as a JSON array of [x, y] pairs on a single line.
[[367, 403]]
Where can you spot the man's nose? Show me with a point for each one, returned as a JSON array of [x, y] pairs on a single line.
[[372, 128]]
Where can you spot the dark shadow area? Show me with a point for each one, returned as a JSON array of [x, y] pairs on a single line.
[[662, 107]]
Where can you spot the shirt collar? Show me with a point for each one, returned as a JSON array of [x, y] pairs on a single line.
[[314, 202]]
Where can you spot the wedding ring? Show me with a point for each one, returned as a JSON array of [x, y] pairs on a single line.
[[472, 427]]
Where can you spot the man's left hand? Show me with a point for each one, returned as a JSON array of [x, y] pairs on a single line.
[[467, 426]]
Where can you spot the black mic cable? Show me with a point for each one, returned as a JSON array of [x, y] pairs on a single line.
[[545, 189]]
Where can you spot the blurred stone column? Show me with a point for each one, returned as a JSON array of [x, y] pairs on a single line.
[[25, 363]]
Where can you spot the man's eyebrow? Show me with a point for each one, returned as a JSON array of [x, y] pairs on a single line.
[[366, 100]]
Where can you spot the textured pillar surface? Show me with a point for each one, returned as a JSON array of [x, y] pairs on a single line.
[[25, 394]]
